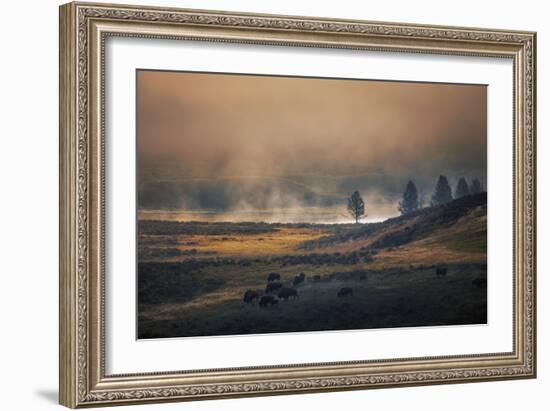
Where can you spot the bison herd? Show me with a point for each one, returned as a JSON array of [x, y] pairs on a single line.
[[275, 290]]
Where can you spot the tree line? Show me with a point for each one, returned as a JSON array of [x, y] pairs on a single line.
[[411, 201]]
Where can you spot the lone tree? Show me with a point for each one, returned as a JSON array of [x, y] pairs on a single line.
[[442, 193], [356, 206], [462, 188], [410, 202], [476, 187]]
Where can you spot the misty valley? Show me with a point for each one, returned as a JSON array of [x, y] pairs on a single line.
[[279, 203], [426, 267]]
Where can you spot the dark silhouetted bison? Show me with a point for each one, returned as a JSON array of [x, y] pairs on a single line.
[[271, 287], [250, 295], [268, 300], [440, 271], [274, 277], [299, 279], [316, 278], [479, 282], [345, 292], [286, 293]]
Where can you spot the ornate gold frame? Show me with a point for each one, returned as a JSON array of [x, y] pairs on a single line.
[[83, 30]]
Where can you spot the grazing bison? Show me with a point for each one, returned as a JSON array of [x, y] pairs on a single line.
[[286, 293], [345, 292], [250, 295], [271, 287], [268, 300], [316, 278], [479, 282], [299, 279], [440, 271], [274, 277]]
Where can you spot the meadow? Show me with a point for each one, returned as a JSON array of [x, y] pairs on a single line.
[[192, 276]]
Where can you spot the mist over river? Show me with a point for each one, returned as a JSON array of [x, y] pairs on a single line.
[[313, 215]]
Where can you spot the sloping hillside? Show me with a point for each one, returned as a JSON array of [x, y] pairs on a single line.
[[461, 224]]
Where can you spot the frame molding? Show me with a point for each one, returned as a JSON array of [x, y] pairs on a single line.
[[84, 27]]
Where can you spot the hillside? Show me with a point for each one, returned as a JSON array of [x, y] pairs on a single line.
[[462, 223]]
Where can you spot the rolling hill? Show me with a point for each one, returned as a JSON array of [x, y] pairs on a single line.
[[460, 224]]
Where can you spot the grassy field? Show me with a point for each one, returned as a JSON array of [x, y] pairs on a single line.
[[192, 276], [390, 298]]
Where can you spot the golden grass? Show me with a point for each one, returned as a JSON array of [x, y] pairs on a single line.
[[417, 253], [278, 242]]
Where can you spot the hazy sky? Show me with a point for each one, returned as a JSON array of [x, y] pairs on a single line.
[[255, 125], [212, 126]]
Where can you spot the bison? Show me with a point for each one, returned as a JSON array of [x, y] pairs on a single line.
[[440, 271], [275, 286], [250, 295], [345, 292], [316, 278], [274, 277], [479, 282], [299, 279], [286, 293], [268, 300]]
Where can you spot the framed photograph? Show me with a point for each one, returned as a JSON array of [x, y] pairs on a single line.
[[260, 204]]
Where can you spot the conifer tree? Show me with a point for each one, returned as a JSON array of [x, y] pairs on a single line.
[[356, 206], [462, 188], [476, 187], [409, 203], [442, 193]]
